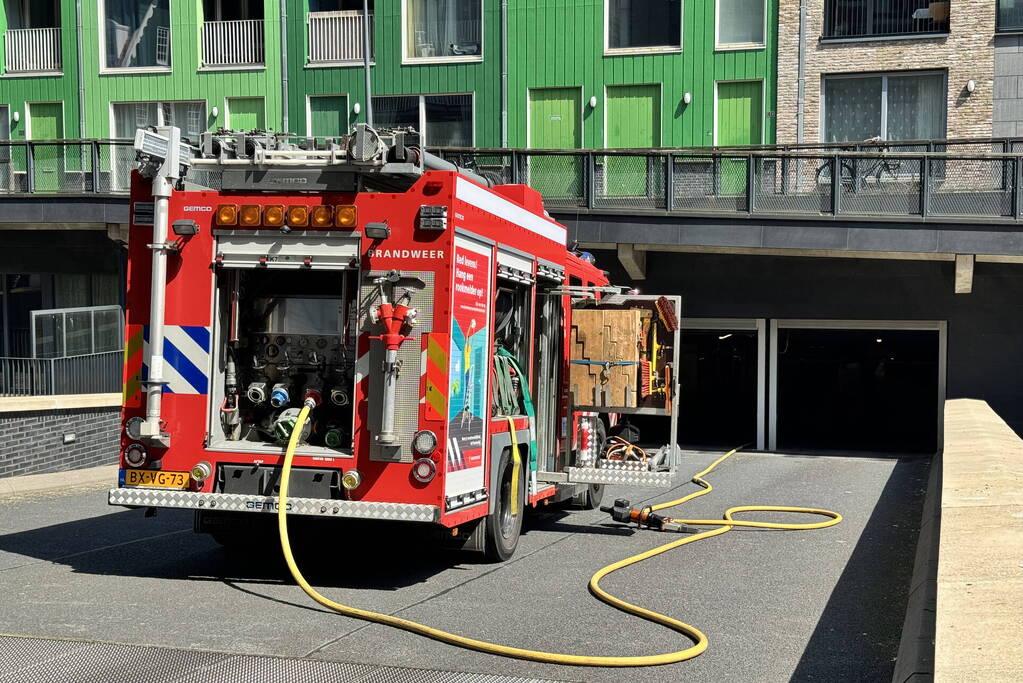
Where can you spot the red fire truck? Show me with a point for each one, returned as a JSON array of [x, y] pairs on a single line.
[[457, 357]]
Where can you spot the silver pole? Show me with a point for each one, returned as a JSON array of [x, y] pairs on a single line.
[[365, 62], [801, 73]]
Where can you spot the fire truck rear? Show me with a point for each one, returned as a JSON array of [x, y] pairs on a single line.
[[459, 362]]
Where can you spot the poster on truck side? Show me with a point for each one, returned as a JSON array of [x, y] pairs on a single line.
[[468, 367]]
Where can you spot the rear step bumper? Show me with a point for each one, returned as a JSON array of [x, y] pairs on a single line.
[[236, 502]]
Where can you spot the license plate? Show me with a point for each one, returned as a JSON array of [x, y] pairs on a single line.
[[156, 479]]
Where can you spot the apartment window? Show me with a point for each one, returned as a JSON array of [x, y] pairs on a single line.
[[644, 24], [740, 23], [447, 29], [892, 106], [441, 120], [190, 117], [136, 33], [1010, 15], [859, 18]]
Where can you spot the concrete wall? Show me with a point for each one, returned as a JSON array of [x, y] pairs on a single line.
[[966, 52], [985, 328], [32, 440], [1008, 87]]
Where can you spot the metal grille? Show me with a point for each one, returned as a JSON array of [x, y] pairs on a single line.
[[36, 660], [406, 409], [972, 187], [115, 165], [623, 180], [886, 186], [793, 185], [558, 177], [710, 183]]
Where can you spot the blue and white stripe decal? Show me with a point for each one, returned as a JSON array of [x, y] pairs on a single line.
[[186, 358]]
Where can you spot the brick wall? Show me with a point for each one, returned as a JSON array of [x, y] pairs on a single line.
[[33, 442], [967, 53]]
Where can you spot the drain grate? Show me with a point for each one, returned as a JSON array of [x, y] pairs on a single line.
[[40, 660]]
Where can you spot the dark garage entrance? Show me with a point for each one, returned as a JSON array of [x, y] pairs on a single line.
[[718, 388], [857, 389]]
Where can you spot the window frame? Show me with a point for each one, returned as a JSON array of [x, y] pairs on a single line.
[[998, 22], [309, 109], [738, 47], [159, 111], [423, 134], [102, 45], [649, 50], [883, 75], [443, 59]]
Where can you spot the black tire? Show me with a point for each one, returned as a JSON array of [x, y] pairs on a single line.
[[627, 431], [503, 529], [588, 496]]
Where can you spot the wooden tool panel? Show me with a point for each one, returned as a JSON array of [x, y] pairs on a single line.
[[606, 356]]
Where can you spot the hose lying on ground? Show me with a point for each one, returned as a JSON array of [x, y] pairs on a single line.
[[691, 632]]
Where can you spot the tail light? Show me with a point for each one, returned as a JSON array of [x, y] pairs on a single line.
[[424, 470], [135, 455], [424, 442]]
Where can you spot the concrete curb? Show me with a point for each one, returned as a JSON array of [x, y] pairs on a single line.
[[56, 481]]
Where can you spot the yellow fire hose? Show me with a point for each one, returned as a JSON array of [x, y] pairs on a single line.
[[700, 640]]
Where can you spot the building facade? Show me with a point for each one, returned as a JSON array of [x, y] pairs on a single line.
[[572, 73], [900, 71]]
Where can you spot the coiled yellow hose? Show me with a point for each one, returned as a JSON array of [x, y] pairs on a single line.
[[691, 632]]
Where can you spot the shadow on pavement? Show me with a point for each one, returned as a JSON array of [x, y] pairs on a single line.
[[857, 635], [392, 555]]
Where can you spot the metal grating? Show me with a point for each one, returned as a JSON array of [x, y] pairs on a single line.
[[793, 185], [972, 187], [629, 181], [37, 660]]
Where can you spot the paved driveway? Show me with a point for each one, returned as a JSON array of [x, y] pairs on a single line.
[[820, 605]]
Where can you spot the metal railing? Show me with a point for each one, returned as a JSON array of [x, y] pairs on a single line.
[[877, 18], [233, 43], [935, 179], [65, 166], [32, 49], [95, 373], [796, 183], [337, 36]]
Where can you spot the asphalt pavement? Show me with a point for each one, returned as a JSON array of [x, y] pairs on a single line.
[[821, 605]]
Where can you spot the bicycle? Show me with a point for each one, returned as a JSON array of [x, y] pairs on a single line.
[[856, 172]]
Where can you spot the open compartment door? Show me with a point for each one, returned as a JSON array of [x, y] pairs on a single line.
[[624, 359]]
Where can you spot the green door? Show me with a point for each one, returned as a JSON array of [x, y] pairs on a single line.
[[46, 123], [246, 113], [739, 122], [554, 123], [633, 120], [328, 115]]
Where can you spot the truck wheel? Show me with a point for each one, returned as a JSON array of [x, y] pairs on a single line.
[[503, 528], [589, 496]]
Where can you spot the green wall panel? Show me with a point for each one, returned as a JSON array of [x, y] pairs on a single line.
[[552, 43]]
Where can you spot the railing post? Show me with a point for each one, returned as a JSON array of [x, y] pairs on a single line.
[[836, 185], [30, 167], [1017, 189], [94, 145], [751, 191], [669, 181], [53, 376], [925, 186], [515, 171], [784, 174], [591, 180]]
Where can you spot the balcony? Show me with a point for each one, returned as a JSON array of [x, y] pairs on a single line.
[[33, 50], [236, 43], [861, 19], [337, 37]]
